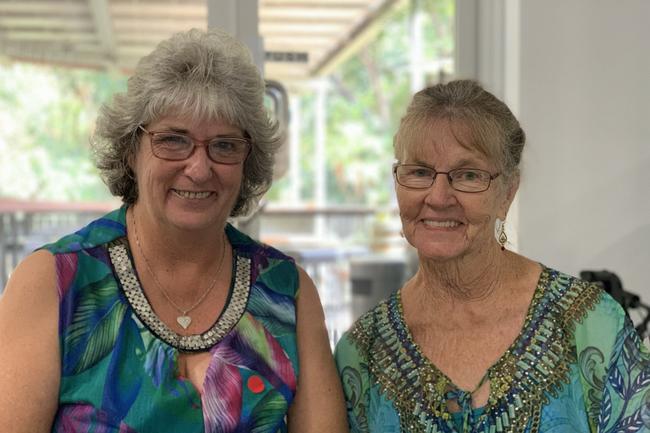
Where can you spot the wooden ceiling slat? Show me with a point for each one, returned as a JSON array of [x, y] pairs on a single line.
[[45, 36], [306, 13], [314, 28], [44, 8], [339, 4], [149, 39], [198, 11], [310, 21], [45, 23], [143, 25], [277, 43]]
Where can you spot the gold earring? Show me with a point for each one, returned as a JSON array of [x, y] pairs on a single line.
[[502, 238]]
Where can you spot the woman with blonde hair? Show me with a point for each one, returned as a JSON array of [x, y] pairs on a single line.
[[483, 339]]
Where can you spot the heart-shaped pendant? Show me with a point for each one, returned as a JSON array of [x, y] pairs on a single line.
[[184, 321]]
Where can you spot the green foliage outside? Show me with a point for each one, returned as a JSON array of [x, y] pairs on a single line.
[[367, 96], [47, 115], [46, 119]]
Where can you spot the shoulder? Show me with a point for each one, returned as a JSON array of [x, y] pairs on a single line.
[[35, 270], [270, 268], [248, 246], [32, 289], [29, 339], [98, 232], [356, 344], [591, 314], [572, 297]]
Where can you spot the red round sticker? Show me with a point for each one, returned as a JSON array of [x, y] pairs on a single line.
[[255, 384]]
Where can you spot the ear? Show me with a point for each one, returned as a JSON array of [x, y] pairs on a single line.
[[511, 188]]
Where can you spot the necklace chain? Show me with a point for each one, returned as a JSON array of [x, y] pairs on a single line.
[[184, 319]]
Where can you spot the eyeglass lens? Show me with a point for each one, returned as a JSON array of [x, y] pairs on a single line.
[[173, 146], [461, 179]]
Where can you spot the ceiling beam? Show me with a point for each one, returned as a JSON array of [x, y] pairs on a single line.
[[104, 28], [360, 36]]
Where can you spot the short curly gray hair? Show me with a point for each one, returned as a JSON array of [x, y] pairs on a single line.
[[206, 75], [491, 128]]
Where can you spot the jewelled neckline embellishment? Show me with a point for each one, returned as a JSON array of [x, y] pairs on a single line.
[[234, 309], [535, 364], [184, 319]]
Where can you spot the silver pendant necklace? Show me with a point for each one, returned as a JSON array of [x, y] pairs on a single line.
[[184, 319]]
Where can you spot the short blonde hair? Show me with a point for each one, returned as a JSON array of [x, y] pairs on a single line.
[[489, 125]]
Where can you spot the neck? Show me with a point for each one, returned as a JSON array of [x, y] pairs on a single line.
[[173, 247], [467, 280]]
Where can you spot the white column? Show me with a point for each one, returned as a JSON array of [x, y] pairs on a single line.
[[320, 162], [466, 39], [295, 127], [415, 39], [240, 18]]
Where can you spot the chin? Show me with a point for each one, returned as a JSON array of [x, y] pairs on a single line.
[[440, 256], [195, 220], [439, 249]]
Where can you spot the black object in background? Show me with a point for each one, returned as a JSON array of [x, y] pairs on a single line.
[[612, 284]]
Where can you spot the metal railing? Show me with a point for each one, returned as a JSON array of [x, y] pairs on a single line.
[[25, 226]]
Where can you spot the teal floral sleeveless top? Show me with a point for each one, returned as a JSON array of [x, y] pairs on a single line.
[[577, 366], [119, 370]]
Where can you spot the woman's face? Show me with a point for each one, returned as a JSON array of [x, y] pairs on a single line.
[[440, 222], [192, 194]]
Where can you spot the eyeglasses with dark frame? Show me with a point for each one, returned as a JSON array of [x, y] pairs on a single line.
[[174, 146], [415, 176]]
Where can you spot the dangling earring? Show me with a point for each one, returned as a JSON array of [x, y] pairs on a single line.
[[502, 238]]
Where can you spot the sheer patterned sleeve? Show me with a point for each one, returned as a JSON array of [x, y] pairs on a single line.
[[625, 402], [353, 371]]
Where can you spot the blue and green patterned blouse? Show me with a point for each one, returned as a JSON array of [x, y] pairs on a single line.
[[119, 372], [578, 366]]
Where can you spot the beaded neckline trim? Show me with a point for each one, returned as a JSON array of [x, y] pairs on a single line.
[[235, 306], [536, 364]]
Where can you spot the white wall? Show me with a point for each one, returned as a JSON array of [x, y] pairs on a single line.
[[585, 103], [583, 97]]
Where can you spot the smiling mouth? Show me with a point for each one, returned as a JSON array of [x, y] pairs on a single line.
[[192, 195], [442, 224]]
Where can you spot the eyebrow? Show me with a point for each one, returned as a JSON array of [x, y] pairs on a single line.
[[470, 162], [181, 130], [463, 163], [178, 130]]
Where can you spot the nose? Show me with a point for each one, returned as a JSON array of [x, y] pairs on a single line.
[[440, 194], [198, 166]]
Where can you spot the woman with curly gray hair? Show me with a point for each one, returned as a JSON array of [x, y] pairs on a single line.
[[161, 316]]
